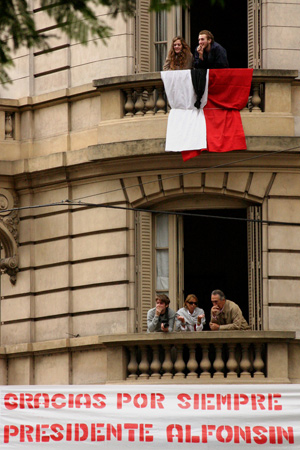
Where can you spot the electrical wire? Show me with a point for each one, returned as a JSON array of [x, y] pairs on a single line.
[[66, 203], [184, 213], [78, 202]]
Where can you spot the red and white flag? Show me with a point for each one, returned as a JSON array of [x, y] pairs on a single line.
[[217, 126]]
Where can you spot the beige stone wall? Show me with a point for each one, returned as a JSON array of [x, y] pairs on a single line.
[[54, 125], [56, 367], [76, 267], [283, 253], [77, 278], [280, 34], [77, 264], [296, 108], [69, 63], [3, 368]]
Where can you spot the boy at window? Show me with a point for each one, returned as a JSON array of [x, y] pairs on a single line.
[[161, 318]]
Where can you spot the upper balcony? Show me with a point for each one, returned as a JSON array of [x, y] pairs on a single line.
[[135, 107], [132, 108]]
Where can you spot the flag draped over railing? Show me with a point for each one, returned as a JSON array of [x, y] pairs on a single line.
[[217, 126]]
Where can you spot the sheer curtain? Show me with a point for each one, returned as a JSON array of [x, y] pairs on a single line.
[[160, 42], [162, 253]]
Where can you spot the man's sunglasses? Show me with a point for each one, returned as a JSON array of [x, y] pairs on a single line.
[[192, 303]]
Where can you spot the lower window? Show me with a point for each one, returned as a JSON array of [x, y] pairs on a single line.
[[189, 254]]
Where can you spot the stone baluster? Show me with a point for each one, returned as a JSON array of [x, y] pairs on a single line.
[[232, 364], [144, 364], [132, 365], [160, 102], [245, 363], [248, 106], [8, 126], [192, 364], [139, 104], [129, 105], [155, 364], [150, 103], [167, 364], [218, 362], [179, 363], [205, 364], [256, 100], [258, 362]]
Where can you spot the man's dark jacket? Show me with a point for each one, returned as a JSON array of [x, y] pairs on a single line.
[[215, 59]]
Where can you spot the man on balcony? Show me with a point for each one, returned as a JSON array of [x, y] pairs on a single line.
[[225, 314], [209, 54], [161, 318]]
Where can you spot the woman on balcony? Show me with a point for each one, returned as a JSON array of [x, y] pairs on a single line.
[[190, 317], [180, 56]]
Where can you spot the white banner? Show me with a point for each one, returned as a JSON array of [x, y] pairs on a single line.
[[150, 416]]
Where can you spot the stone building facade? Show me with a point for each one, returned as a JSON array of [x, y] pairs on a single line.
[[87, 190]]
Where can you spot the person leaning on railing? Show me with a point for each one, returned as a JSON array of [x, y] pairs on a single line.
[[225, 314], [161, 318], [190, 317], [179, 56], [209, 54]]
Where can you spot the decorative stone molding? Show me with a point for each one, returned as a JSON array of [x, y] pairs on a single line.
[[9, 221], [9, 125]]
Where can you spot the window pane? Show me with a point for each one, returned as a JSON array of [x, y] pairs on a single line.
[[162, 269], [162, 231], [162, 292], [160, 41], [160, 56], [161, 26]]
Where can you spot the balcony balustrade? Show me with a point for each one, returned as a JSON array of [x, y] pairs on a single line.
[[173, 358], [197, 360], [130, 101], [132, 108], [144, 93], [207, 357]]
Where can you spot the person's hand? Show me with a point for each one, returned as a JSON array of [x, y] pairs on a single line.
[[200, 51], [214, 326], [200, 317], [181, 318], [165, 330], [158, 309], [215, 310]]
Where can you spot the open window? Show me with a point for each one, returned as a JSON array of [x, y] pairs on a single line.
[[228, 24], [236, 26], [183, 254], [159, 256]]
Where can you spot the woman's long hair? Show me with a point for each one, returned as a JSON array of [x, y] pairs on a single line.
[[179, 60]]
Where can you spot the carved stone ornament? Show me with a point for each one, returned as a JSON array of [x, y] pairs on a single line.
[[8, 125], [9, 221]]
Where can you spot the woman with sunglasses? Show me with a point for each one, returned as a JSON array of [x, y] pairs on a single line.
[[190, 317]]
